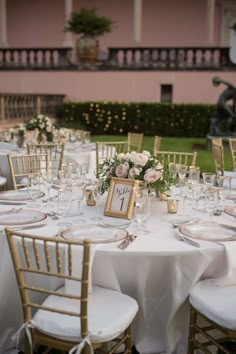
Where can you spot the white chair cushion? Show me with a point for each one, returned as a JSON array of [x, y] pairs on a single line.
[[3, 181], [109, 314], [215, 302]]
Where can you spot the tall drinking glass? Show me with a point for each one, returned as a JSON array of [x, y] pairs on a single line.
[[64, 205], [142, 213]]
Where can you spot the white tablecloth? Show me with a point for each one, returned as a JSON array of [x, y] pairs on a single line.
[[157, 270]]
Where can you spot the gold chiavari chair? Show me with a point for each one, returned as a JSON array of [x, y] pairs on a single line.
[[135, 141], [212, 318], [218, 157], [217, 141], [58, 317], [107, 150], [54, 151], [186, 158], [156, 145], [23, 165], [232, 146]]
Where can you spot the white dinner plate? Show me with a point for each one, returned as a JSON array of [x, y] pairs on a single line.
[[210, 231], [115, 222], [176, 219], [231, 211], [18, 195], [20, 217], [95, 233]]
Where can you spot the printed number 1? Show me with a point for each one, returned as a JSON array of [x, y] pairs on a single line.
[[122, 202]]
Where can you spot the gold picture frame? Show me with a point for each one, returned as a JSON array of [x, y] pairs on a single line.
[[120, 199]]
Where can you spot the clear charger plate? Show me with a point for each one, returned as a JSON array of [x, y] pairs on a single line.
[[115, 222], [21, 217], [94, 233], [18, 195], [176, 219], [231, 211], [209, 231]]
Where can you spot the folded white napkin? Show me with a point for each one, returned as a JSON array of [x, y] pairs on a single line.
[[72, 286], [229, 278]]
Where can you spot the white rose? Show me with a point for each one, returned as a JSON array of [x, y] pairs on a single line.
[[139, 159], [147, 153], [121, 170], [152, 176], [159, 166], [121, 156], [134, 171]]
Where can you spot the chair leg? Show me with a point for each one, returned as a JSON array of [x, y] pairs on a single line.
[[192, 323], [27, 347]]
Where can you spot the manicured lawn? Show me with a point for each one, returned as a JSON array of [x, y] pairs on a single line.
[[204, 157]]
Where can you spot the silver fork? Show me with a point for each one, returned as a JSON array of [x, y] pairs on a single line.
[[124, 244]]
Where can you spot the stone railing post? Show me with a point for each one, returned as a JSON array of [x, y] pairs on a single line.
[[38, 105], [2, 108]]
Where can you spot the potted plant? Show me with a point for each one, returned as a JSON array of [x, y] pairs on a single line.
[[89, 26]]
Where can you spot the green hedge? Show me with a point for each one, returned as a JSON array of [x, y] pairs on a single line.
[[186, 120]]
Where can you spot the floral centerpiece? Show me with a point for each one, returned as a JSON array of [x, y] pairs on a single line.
[[139, 166], [43, 125]]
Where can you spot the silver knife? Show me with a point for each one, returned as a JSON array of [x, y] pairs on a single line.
[[189, 241], [28, 227], [12, 203]]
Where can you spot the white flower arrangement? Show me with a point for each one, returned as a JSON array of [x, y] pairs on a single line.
[[139, 166], [43, 125]]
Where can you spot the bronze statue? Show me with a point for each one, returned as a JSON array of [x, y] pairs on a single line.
[[224, 115]]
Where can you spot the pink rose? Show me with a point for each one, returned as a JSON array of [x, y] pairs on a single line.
[[121, 170], [134, 171], [152, 176]]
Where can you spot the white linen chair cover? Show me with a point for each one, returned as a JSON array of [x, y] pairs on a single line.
[[215, 302], [3, 182]]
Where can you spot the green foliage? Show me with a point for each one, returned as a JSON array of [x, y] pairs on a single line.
[[86, 22], [180, 120]]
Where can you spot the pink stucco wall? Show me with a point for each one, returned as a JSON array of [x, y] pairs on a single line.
[[40, 23], [191, 87]]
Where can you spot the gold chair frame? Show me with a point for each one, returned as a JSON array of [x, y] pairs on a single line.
[[186, 158], [107, 150], [54, 151], [135, 141], [42, 256], [232, 146], [218, 158], [22, 165], [201, 334], [156, 145]]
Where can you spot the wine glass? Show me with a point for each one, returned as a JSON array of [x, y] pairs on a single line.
[[211, 200], [182, 171], [64, 205], [173, 169], [184, 188], [142, 212], [33, 189], [96, 191], [224, 183], [209, 179], [48, 178], [198, 195], [78, 191]]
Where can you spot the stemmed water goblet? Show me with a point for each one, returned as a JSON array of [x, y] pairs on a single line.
[[182, 171], [209, 179], [78, 191], [48, 178], [34, 189], [64, 205], [142, 212], [96, 193]]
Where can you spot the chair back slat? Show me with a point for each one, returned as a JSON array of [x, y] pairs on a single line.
[[232, 146], [186, 158], [156, 145], [55, 152], [218, 157], [135, 142], [21, 165], [108, 149]]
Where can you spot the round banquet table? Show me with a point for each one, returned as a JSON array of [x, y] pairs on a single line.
[[157, 269]]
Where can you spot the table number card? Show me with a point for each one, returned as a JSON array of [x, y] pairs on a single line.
[[120, 199]]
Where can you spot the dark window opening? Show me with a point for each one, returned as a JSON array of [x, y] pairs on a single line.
[[166, 93]]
